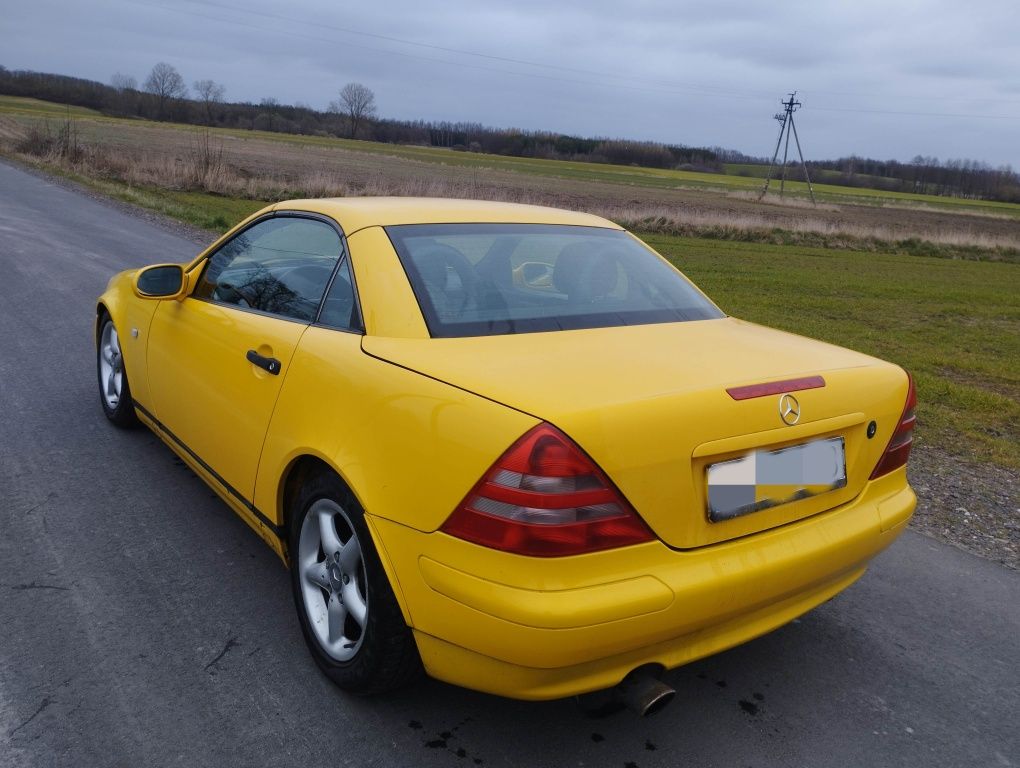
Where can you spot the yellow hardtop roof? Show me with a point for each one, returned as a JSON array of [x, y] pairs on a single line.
[[354, 213]]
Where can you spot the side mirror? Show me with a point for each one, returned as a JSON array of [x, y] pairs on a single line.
[[162, 281]]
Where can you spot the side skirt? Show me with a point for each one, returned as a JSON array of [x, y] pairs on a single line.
[[270, 532]]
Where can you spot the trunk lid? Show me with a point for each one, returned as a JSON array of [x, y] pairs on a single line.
[[649, 404]]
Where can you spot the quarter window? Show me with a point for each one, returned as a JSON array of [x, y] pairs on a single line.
[[281, 266], [340, 310]]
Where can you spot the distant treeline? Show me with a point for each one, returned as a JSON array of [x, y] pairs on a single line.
[[927, 175], [270, 115]]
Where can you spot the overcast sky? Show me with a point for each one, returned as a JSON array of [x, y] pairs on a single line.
[[878, 78]]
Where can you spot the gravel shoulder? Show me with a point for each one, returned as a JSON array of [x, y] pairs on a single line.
[[975, 507]]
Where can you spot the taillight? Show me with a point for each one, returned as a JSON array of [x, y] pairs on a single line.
[[898, 450], [544, 497]]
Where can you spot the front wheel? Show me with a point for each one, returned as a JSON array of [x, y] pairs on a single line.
[[348, 614], [114, 390]]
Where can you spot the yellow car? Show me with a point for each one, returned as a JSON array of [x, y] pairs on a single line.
[[509, 444]]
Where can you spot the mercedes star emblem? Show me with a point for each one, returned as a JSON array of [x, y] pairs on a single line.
[[789, 410]]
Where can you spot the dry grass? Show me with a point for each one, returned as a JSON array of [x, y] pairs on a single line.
[[10, 130], [913, 206], [773, 198], [204, 168], [839, 233], [259, 169]]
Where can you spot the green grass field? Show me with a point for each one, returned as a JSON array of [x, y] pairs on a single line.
[[15, 105], [955, 325]]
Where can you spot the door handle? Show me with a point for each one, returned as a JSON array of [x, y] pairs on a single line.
[[271, 364]]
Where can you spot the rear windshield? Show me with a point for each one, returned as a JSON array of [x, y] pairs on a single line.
[[493, 279]]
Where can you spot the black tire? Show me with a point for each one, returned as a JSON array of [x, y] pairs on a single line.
[[386, 656], [122, 411]]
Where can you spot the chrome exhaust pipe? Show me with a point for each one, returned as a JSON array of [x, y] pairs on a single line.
[[642, 692]]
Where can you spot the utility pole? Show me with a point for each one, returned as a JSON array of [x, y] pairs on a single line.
[[787, 126]]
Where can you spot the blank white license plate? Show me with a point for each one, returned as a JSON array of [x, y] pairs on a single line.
[[764, 479]]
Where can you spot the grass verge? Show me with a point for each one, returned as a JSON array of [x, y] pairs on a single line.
[[205, 210]]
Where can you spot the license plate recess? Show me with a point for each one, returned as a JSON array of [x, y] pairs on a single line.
[[767, 478]]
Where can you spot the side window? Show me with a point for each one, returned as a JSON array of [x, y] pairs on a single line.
[[281, 265], [340, 310]]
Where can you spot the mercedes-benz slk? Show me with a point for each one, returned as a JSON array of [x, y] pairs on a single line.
[[508, 444]]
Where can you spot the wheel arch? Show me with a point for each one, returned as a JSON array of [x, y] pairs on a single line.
[[102, 308], [131, 316], [112, 301], [297, 472]]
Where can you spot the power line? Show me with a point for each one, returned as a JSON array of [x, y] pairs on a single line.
[[641, 84], [666, 87], [459, 65], [915, 97], [707, 88], [917, 114]]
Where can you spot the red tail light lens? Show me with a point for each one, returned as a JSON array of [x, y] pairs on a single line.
[[898, 450], [545, 498]]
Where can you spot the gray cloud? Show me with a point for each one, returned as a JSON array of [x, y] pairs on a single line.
[[705, 72]]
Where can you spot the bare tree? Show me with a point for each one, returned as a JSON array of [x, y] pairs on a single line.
[[266, 119], [127, 99], [166, 84], [209, 92], [357, 103], [124, 82]]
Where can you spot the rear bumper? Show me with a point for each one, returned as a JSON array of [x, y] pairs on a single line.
[[535, 628]]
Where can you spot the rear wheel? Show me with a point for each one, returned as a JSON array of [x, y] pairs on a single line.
[[348, 614], [114, 390]]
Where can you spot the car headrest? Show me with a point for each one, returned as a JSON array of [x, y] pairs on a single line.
[[495, 267], [432, 261], [585, 271]]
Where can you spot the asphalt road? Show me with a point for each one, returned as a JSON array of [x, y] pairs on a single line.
[[142, 624]]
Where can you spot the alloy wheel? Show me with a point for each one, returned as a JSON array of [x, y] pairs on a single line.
[[334, 589], [111, 366]]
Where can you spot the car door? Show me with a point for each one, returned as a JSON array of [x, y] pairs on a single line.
[[217, 359]]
